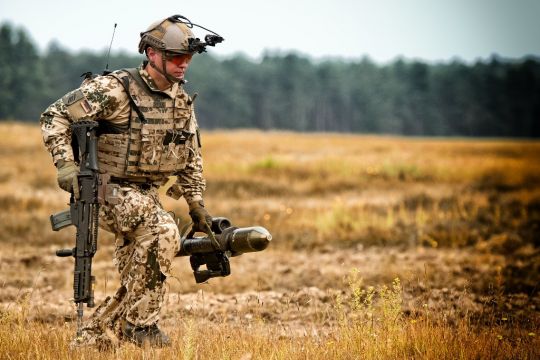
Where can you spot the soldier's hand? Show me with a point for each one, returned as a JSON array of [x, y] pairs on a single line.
[[67, 175], [202, 221]]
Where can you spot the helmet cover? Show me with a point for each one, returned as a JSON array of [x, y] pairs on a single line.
[[167, 35]]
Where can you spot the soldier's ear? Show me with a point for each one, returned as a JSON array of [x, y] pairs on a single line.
[[151, 53]]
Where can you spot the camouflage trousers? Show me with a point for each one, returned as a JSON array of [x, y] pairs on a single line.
[[147, 241]]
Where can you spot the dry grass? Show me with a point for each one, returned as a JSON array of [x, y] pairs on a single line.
[[371, 326], [457, 221]]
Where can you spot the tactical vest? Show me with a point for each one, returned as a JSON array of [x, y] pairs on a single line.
[[159, 138]]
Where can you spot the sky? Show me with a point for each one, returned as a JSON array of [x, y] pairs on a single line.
[[428, 30]]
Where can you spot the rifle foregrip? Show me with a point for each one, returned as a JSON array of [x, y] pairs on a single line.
[[64, 252]]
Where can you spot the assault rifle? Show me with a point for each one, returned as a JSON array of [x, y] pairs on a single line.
[[83, 213]]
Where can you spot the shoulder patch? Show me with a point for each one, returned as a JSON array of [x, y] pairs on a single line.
[[73, 97], [77, 105]]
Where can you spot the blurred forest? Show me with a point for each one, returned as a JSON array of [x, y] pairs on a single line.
[[497, 97]]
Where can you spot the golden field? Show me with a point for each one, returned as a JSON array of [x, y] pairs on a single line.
[[384, 247]]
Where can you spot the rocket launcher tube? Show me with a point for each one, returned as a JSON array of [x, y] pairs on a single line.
[[235, 240], [232, 241]]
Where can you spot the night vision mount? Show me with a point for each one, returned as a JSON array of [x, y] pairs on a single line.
[[195, 44]]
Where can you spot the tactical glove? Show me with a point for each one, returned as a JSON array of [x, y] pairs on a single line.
[[202, 221], [67, 175]]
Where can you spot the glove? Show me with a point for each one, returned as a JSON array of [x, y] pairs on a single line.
[[67, 175], [202, 221]]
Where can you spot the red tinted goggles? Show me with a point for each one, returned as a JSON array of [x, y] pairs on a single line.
[[177, 59]]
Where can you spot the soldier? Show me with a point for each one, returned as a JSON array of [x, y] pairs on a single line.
[[148, 132]]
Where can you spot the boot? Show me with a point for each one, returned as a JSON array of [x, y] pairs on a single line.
[[140, 335]]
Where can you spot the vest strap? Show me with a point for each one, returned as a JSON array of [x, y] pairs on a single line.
[[125, 84], [138, 79]]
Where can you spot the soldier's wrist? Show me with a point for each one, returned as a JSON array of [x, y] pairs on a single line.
[[196, 204], [63, 163]]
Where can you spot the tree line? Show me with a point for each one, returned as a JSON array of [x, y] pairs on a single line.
[[494, 97]]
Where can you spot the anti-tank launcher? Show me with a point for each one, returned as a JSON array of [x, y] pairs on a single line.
[[214, 251]]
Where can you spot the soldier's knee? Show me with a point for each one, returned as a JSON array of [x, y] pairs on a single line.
[[163, 250], [169, 240], [169, 230]]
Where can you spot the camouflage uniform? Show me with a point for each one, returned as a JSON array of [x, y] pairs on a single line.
[[147, 237]]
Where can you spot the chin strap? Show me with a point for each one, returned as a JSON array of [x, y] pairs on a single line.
[[170, 79]]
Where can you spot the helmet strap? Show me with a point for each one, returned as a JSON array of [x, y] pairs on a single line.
[[170, 79]]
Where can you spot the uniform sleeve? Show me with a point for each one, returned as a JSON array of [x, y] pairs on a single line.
[[190, 182], [102, 98]]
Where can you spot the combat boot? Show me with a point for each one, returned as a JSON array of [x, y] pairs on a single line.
[[140, 335]]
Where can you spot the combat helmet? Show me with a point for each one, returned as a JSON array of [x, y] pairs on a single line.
[[171, 34]]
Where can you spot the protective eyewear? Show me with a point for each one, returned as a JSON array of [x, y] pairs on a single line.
[[177, 59]]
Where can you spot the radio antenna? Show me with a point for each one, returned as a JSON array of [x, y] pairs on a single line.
[[106, 71]]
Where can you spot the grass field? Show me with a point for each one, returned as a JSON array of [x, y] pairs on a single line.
[[384, 247]]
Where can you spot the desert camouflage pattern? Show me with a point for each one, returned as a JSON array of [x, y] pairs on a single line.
[[157, 145], [147, 237], [140, 153], [147, 241]]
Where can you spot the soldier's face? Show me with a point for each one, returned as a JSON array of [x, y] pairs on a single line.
[[176, 64]]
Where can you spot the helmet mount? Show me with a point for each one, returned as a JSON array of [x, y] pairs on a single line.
[[174, 34]]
